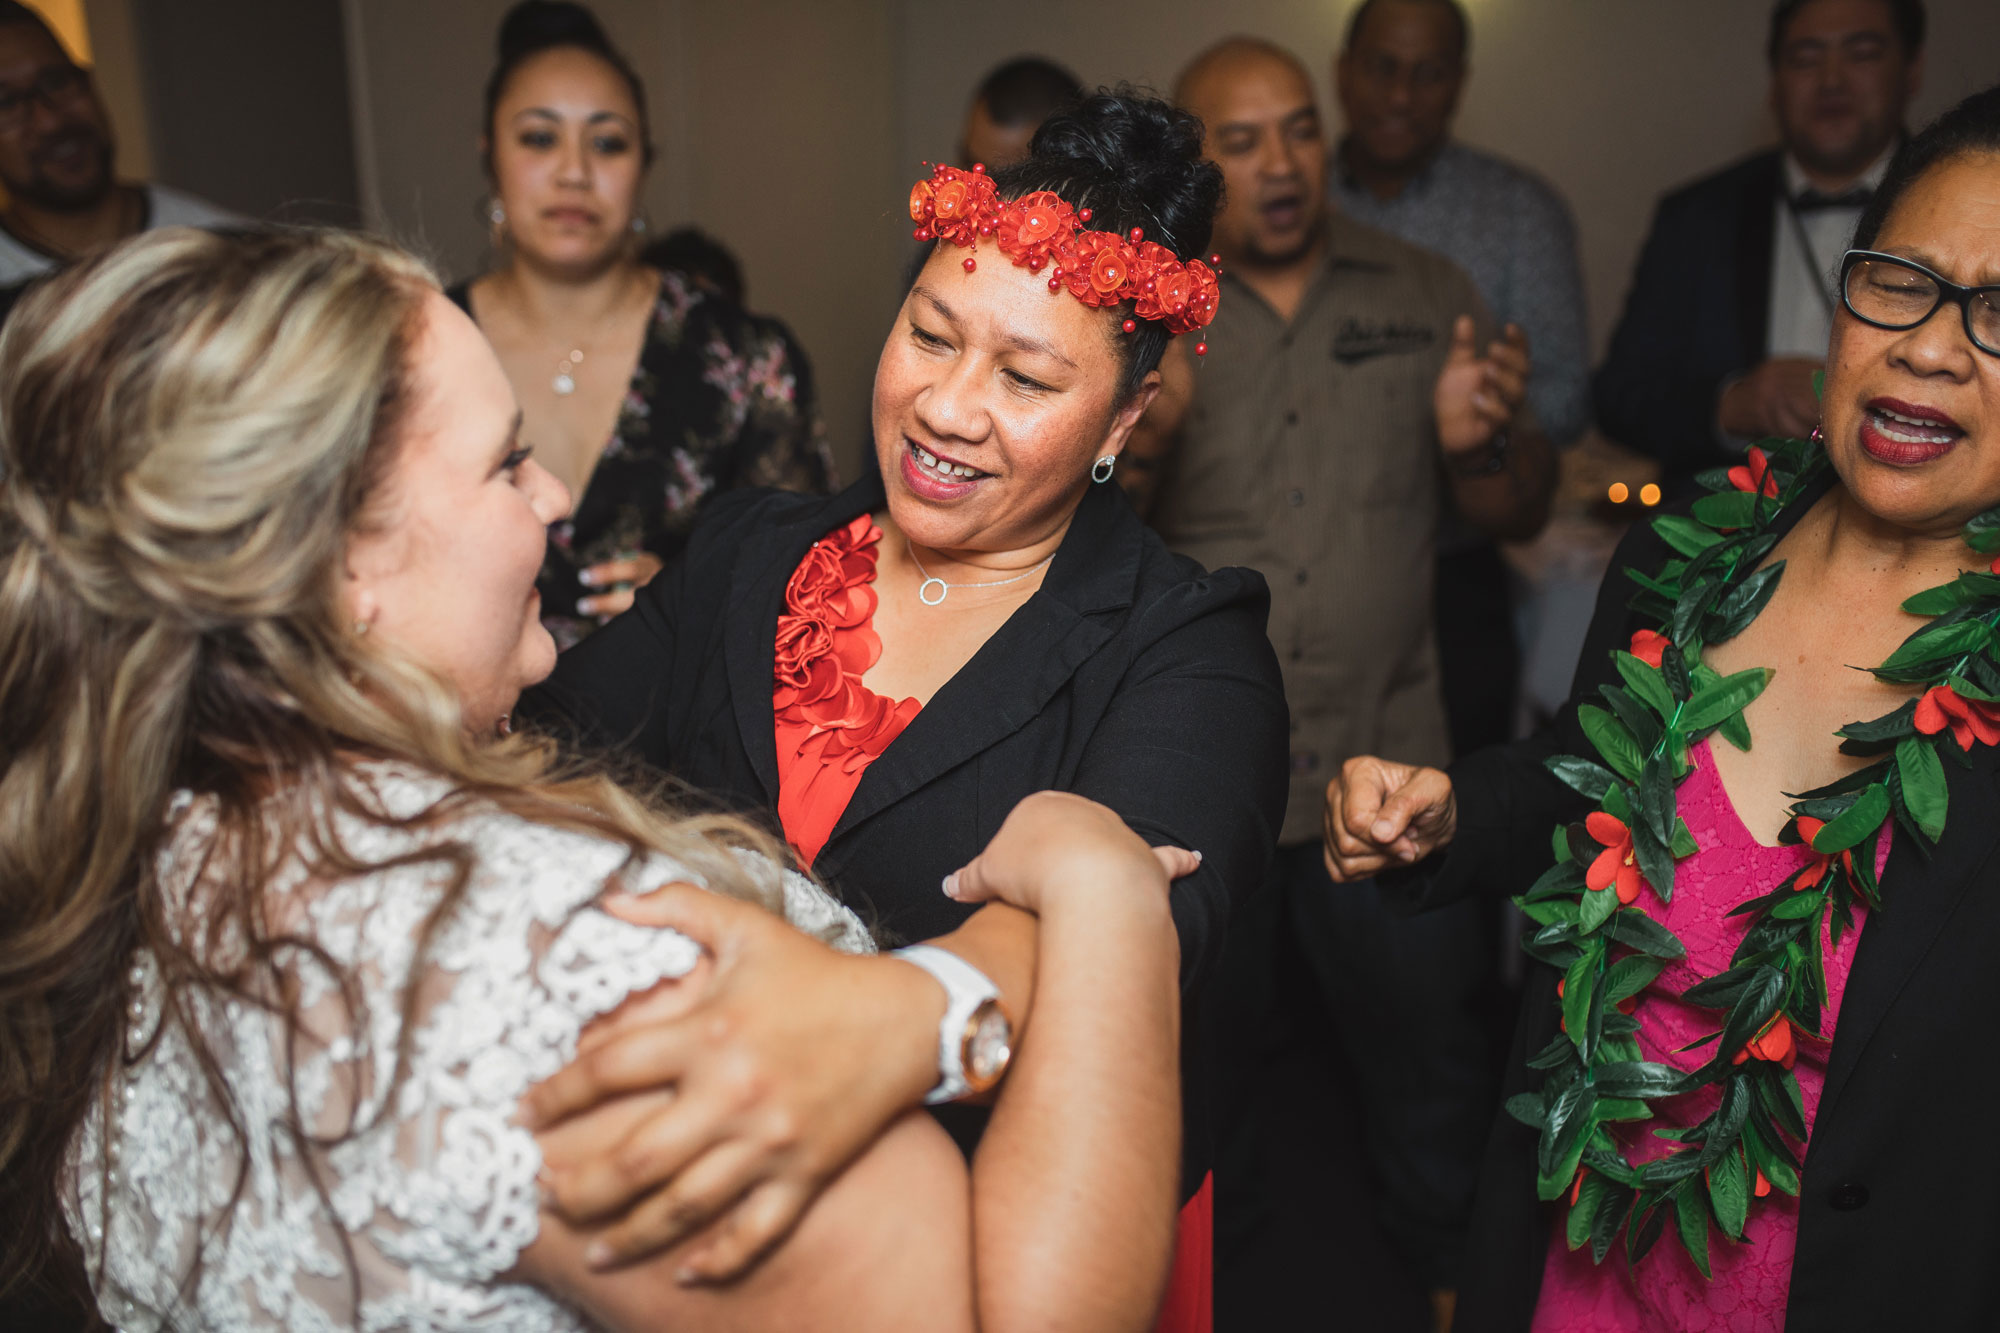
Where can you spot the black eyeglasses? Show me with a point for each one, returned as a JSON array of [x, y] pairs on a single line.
[[1891, 292], [54, 86]]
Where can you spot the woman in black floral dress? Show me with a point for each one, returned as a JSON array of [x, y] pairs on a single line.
[[639, 390]]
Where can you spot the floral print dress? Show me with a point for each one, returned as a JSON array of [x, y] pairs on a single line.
[[720, 398]]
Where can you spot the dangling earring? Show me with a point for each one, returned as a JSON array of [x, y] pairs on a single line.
[[1101, 470], [360, 628], [639, 226]]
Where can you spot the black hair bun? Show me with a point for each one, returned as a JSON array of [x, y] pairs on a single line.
[[532, 26], [1134, 161]]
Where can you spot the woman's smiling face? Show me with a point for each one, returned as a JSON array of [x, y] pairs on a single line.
[[993, 398]]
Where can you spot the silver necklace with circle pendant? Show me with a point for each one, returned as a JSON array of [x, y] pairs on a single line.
[[565, 381], [944, 589]]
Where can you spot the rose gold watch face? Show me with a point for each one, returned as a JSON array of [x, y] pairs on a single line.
[[989, 1045]]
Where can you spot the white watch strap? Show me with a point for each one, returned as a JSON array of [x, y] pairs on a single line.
[[965, 989]]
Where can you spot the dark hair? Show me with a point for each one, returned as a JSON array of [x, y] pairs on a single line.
[[534, 26], [1453, 7], [1907, 15], [1973, 126], [693, 252], [13, 12], [1027, 91], [1134, 161]]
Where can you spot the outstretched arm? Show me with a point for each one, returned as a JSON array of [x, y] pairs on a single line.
[[1073, 1189]]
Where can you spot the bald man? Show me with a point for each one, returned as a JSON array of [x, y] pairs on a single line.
[[1352, 393]]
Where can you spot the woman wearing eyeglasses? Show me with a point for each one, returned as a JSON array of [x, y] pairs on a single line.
[[62, 199], [1748, 1086]]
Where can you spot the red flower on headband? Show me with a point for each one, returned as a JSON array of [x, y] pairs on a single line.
[[954, 204], [1033, 227], [1202, 301], [1097, 267]]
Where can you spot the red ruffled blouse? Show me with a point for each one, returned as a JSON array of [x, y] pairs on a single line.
[[830, 726]]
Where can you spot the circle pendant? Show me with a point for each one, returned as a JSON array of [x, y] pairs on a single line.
[[563, 384], [924, 591]]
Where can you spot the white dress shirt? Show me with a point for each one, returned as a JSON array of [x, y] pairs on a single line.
[[1805, 263]]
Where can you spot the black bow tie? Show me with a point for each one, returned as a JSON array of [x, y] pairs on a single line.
[[1810, 200]]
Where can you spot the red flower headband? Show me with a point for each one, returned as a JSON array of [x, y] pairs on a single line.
[[1099, 268]]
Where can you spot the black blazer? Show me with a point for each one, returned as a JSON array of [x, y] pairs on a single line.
[[1697, 314], [1899, 1217], [1131, 677]]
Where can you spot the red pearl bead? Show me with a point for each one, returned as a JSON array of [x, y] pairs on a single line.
[[979, 168], [1215, 261], [1085, 215], [1137, 234], [1034, 266], [918, 235], [1131, 324], [1201, 349], [1055, 284], [971, 264]]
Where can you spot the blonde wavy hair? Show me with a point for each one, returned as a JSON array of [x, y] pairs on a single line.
[[192, 427]]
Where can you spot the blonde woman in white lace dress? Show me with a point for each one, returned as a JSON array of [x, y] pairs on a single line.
[[289, 924]]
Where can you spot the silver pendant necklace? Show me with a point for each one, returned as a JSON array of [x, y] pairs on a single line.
[[943, 589], [565, 381]]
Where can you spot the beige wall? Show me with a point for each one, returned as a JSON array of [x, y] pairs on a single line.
[[790, 128]]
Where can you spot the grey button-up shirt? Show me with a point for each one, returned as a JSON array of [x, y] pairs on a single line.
[[1513, 235], [1310, 454]]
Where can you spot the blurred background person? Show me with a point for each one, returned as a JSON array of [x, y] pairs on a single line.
[[700, 258], [1009, 105], [642, 391], [1398, 79], [1730, 308], [1344, 404], [57, 159]]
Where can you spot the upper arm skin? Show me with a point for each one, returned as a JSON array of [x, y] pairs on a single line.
[[886, 1247], [1192, 753]]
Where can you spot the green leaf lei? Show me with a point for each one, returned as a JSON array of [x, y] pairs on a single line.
[[1608, 951]]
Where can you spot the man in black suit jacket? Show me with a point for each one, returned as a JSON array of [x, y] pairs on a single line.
[[1727, 318]]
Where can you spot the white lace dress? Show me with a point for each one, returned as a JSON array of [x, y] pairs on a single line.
[[408, 1224]]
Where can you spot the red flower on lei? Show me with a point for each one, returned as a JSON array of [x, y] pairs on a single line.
[[1756, 476], [1649, 646], [1816, 869], [1970, 720], [1617, 864], [1773, 1042]]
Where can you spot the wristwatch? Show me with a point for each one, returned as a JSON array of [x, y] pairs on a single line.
[[975, 1037]]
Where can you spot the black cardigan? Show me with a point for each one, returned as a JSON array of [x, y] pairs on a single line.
[[1131, 677], [1899, 1218]]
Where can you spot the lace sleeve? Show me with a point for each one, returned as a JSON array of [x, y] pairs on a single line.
[[445, 1182], [401, 1191]]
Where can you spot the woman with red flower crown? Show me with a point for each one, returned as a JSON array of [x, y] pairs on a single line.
[[886, 673], [1751, 1033]]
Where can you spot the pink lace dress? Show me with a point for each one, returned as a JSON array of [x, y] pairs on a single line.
[[1666, 1293]]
